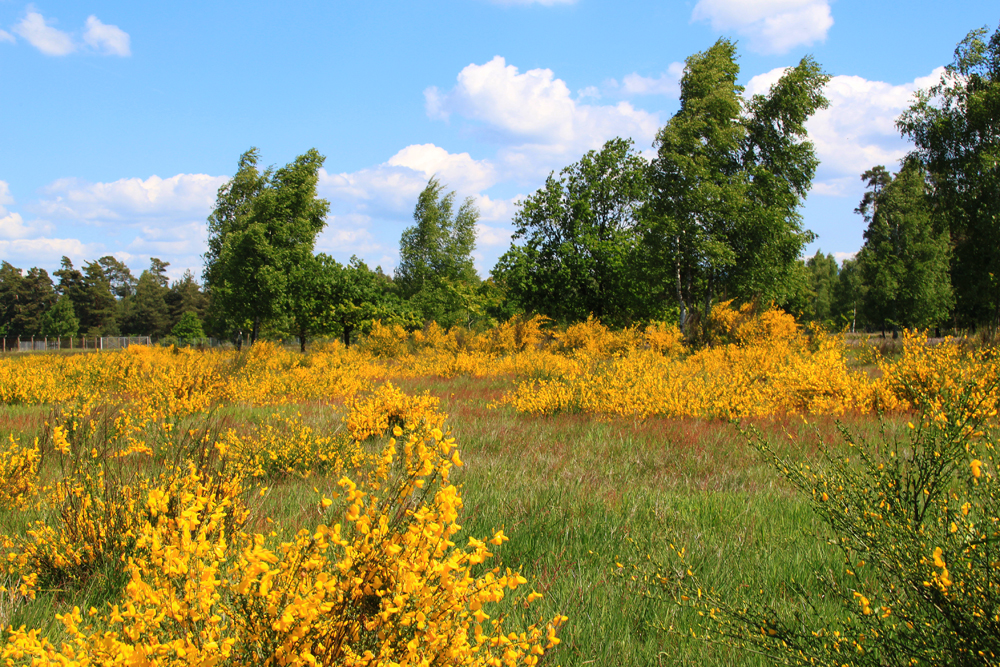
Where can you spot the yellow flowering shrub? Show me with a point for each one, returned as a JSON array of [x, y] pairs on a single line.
[[386, 340], [18, 473], [381, 579], [917, 520], [664, 338]]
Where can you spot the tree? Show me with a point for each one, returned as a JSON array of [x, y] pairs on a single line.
[[904, 262], [97, 309], [150, 315], [823, 278], [264, 224], [188, 328], [727, 182], [580, 238], [331, 299], [436, 271], [119, 276], [10, 286], [848, 296], [60, 320], [24, 299], [955, 126], [185, 295]]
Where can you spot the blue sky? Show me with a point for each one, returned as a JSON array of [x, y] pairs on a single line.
[[120, 120]]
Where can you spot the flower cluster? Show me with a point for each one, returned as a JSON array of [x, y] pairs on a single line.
[[380, 577]]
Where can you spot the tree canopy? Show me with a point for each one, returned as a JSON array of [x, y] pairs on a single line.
[[955, 126], [580, 233], [727, 182], [436, 272], [264, 226]]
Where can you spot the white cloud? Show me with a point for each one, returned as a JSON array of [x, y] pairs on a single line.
[[858, 130], [12, 225], [771, 26], [841, 256], [489, 236], [6, 199], [668, 83], [50, 41], [456, 171], [6, 37], [534, 117], [496, 209], [379, 191], [45, 251], [179, 239], [761, 84], [132, 200], [108, 39]]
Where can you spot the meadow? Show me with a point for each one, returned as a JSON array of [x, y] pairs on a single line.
[[516, 496]]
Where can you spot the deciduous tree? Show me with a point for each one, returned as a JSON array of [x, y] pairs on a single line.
[[727, 182], [578, 254], [955, 126], [904, 261], [263, 226], [436, 271]]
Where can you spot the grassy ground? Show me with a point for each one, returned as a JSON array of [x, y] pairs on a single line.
[[583, 499]]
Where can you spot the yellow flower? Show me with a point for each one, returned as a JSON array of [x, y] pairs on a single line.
[[977, 468]]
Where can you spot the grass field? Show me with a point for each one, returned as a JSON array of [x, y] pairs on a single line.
[[587, 462], [583, 498]]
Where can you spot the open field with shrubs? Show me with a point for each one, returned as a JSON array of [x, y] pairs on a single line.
[[523, 495]]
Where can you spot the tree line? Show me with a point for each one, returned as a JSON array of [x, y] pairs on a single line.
[[104, 299], [714, 216]]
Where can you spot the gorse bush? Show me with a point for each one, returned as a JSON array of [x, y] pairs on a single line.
[[379, 578], [760, 364], [917, 521]]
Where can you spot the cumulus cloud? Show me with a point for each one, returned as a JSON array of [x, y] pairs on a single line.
[[858, 130], [496, 209], [378, 191], [132, 200], [771, 26], [668, 83], [24, 253], [457, 171], [50, 41], [490, 236], [534, 116], [391, 189], [180, 239], [40, 33], [12, 225], [108, 39], [841, 256]]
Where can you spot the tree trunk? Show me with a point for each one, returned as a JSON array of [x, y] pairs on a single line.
[[680, 294], [255, 331]]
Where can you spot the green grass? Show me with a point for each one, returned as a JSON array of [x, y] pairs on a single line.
[[577, 495]]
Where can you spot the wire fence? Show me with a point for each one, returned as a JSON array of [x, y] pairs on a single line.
[[86, 343]]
